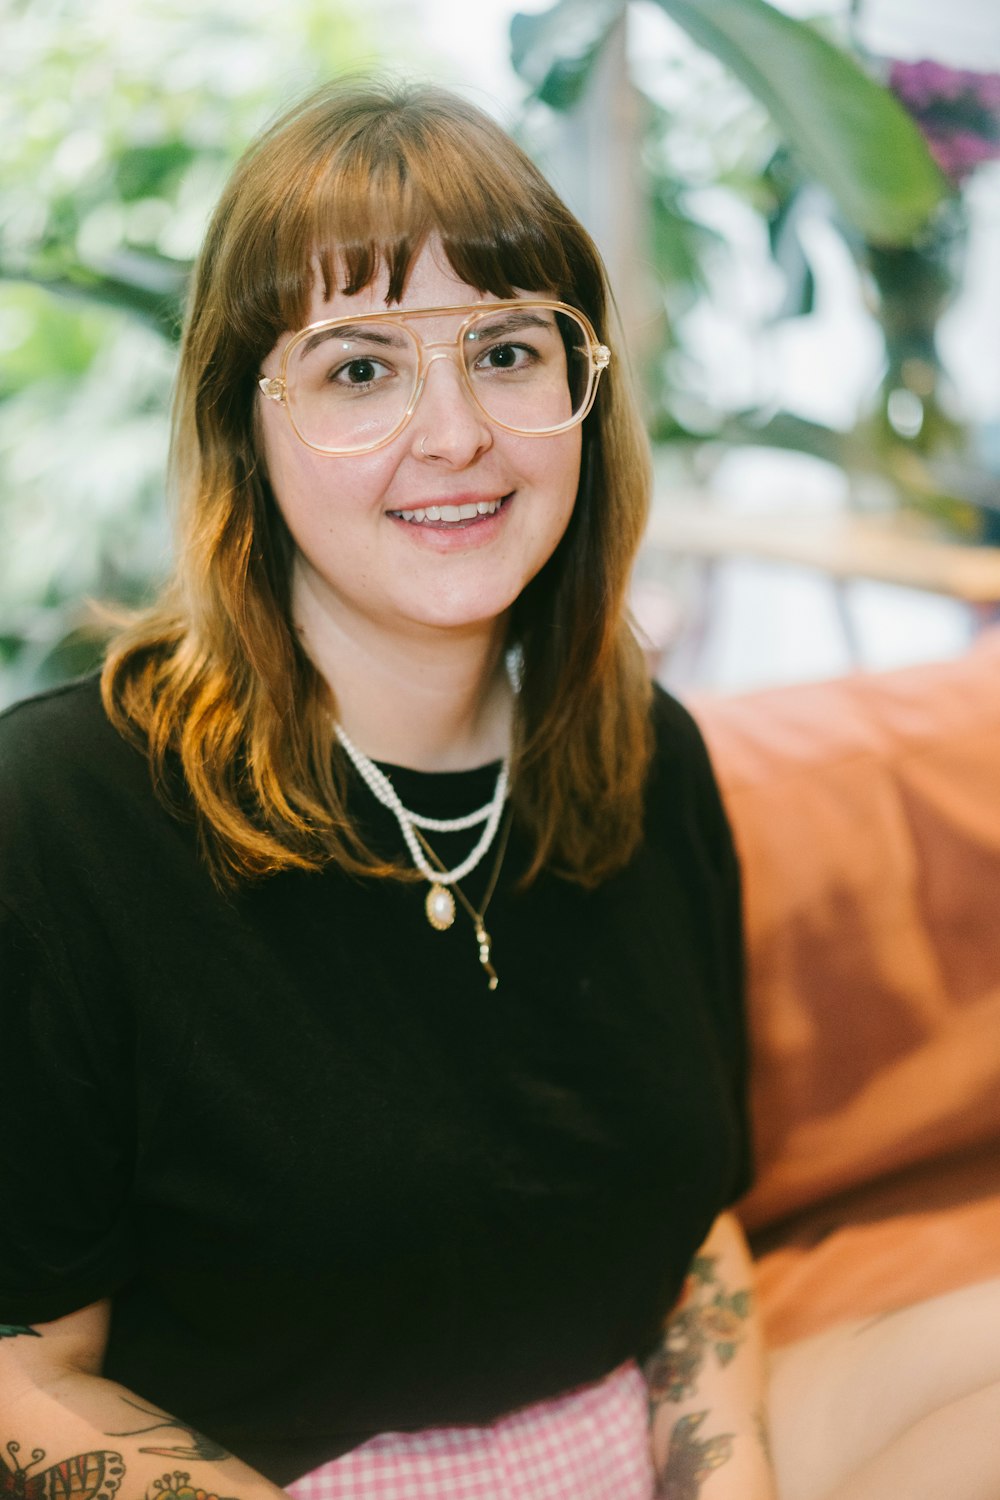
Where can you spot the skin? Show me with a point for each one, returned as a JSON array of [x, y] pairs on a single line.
[[407, 623]]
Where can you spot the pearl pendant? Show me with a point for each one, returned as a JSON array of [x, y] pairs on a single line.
[[440, 907]]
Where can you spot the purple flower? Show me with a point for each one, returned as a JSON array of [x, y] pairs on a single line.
[[957, 109], [922, 83], [988, 90], [959, 154]]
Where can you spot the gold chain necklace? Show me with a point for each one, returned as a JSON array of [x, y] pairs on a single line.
[[478, 917]]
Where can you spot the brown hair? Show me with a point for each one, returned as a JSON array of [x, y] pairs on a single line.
[[212, 680]]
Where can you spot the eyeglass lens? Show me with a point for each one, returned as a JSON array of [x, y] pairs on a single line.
[[350, 386]]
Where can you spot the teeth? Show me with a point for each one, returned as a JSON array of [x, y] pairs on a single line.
[[451, 513]]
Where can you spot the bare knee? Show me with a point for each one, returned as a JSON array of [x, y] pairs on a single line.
[[843, 1398]]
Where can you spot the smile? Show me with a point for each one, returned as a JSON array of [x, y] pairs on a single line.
[[450, 515]]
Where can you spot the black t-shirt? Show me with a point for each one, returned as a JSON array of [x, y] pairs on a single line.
[[333, 1184]]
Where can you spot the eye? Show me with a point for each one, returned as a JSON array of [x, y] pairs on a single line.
[[359, 373], [506, 357]]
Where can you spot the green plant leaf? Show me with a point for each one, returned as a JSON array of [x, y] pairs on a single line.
[[786, 430], [145, 169], [161, 306], [679, 242], [556, 50], [849, 131], [790, 192]]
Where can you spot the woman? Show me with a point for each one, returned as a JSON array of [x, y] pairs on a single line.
[[373, 1024]]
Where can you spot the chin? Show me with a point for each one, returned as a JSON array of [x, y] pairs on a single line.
[[472, 611], [473, 621]]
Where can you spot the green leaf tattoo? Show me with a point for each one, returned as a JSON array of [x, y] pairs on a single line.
[[707, 1319], [15, 1330], [691, 1459]]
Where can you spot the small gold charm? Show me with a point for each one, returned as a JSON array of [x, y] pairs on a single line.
[[485, 944], [440, 907]]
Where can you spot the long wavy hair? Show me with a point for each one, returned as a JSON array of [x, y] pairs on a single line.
[[212, 680]]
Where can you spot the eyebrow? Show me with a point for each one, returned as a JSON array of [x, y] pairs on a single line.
[[364, 332], [510, 322], [507, 322]]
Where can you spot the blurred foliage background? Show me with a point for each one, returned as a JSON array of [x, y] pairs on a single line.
[[118, 128], [783, 131], [118, 131]]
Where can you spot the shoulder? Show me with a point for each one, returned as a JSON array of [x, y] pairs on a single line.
[[683, 793], [61, 710], [73, 792], [678, 745], [49, 742]]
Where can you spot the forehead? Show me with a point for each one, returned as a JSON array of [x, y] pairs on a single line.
[[431, 282]]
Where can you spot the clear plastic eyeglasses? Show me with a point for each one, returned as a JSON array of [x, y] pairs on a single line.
[[349, 385]]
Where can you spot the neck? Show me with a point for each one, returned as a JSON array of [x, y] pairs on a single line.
[[432, 700]]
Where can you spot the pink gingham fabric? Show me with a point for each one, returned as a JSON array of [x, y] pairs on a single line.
[[589, 1444]]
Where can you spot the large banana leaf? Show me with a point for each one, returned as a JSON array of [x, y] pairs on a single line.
[[849, 131]]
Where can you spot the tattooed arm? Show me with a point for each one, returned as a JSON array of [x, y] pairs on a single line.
[[707, 1382], [66, 1430]]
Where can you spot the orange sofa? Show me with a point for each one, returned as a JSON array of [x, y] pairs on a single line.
[[867, 816]]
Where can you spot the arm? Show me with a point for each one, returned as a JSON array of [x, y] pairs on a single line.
[[707, 1381], [57, 1410]]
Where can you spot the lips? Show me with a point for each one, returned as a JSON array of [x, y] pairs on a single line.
[[450, 515]]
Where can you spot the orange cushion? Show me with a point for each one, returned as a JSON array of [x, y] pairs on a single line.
[[867, 816], [924, 1231]]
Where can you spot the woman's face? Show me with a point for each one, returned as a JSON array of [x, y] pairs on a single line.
[[356, 556]]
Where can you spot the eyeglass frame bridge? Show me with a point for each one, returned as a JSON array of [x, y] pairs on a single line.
[[275, 387]]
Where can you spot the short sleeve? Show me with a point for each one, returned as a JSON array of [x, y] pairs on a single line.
[[728, 949], [685, 786], [64, 1166]]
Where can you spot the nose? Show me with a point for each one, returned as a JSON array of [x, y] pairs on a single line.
[[447, 424]]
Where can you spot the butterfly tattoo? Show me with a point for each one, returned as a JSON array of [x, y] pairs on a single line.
[[691, 1459], [85, 1476]]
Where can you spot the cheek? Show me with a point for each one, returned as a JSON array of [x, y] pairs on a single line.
[[313, 490], [560, 476], [281, 451]]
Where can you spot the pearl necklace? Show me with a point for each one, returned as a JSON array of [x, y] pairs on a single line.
[[440, 903]]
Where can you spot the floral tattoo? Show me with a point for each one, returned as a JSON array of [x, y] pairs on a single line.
[[707, 1320], [177, 1486]]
